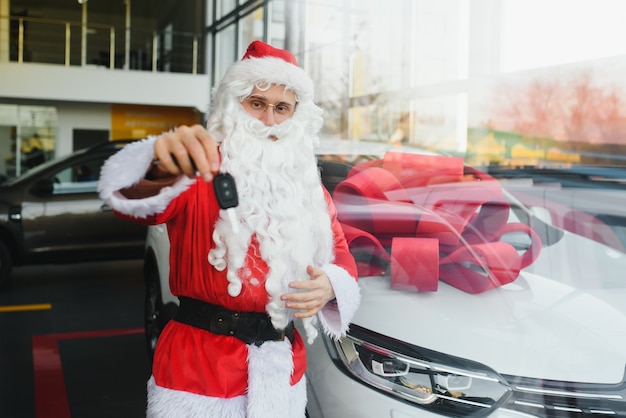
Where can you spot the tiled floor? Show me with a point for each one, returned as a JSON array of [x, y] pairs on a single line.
[[77, 349]]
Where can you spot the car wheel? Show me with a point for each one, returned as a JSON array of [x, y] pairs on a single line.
[[6, 264], [154, 308]]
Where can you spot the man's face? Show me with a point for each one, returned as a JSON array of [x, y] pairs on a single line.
[[271, 106]]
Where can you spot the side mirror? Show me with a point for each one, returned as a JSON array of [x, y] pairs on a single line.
[[43, 188]]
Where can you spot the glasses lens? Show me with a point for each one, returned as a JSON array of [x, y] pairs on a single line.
[[258, 105], [283, 109]]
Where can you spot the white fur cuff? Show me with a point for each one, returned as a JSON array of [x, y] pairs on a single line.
[[126, 168], [336, 316]]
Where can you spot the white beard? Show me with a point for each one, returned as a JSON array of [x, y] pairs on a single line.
[[281, 202]]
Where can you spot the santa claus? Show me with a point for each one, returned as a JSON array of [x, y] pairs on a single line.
[[232, 350]]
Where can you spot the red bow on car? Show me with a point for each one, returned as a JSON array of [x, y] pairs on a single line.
[[429, 218]]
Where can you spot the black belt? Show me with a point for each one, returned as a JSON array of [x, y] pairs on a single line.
[[249, 327]]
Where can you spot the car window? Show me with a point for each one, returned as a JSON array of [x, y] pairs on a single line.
[[78, 178]]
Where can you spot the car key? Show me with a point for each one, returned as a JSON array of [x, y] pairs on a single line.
[[226, 193]]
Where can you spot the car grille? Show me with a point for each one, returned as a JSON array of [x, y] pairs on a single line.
[[549, 398]]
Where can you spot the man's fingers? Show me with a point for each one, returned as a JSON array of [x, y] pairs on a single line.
[[314, 271], [190, 150], [185, 163], [312, 295], [212, 156], [202, 151], [164, 157]]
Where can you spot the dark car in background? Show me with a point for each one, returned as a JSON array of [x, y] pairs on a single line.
[[53, 214]]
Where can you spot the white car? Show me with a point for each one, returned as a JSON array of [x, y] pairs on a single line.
[[471, 305]]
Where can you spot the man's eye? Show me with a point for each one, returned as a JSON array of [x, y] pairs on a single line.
[[283, 109], [257, 104]]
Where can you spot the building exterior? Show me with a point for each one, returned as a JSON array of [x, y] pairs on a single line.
[[74, 74], [420, 73], [77, 73]]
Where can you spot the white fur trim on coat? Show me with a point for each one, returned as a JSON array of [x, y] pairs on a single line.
[[126, 168], [170, 403], [336, 316], [270, 394]]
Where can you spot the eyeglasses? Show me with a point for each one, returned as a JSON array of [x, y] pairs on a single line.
[[257, 105]]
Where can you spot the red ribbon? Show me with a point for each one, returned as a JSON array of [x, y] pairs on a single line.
[[430, 218]]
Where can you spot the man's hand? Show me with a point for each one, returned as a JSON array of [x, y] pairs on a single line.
[[312, 295], [188, 150]]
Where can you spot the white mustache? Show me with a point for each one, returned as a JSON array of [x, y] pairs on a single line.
[[261, 131]]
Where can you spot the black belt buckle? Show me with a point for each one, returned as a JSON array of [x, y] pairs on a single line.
[[287, 332], [266, 332]]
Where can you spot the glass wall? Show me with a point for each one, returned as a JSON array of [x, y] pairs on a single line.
[[231, 27], [479, 79]]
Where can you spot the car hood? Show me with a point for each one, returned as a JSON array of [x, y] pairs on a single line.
[[555, 321]]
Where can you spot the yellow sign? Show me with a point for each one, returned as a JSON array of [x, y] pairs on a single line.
[[139, 121]]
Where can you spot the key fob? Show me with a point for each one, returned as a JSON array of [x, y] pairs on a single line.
[[225, 190]]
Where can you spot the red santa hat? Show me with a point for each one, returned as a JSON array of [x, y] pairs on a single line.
[[258, 49], [265, 64]]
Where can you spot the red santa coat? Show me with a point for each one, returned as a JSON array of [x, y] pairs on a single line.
[[193, 360], [219, 369]]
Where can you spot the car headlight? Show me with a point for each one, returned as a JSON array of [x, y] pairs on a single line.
[[435, 381]]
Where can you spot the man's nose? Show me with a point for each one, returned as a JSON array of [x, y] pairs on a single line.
[[267, 117]]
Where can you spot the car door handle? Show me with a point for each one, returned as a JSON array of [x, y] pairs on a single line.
[[105, 208]]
